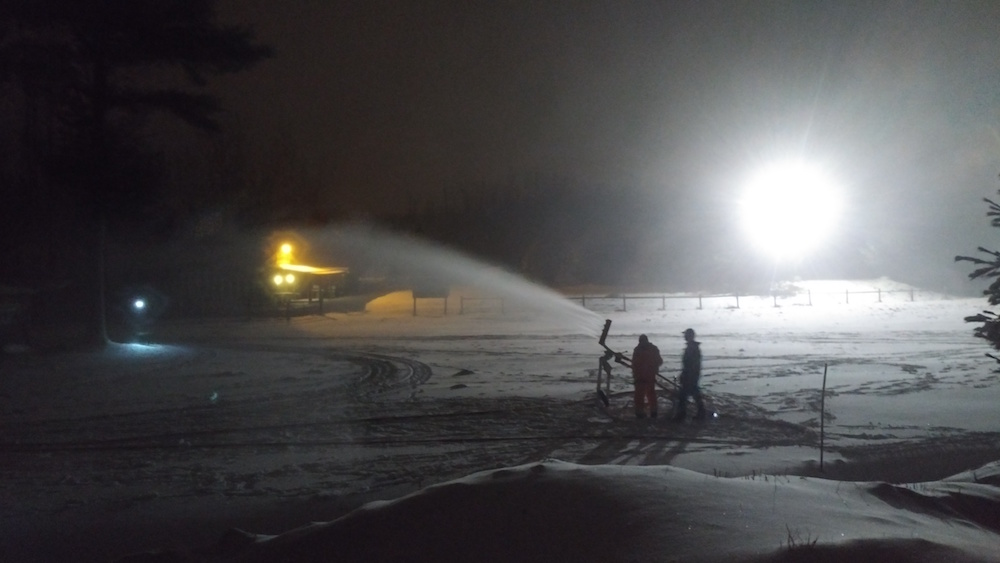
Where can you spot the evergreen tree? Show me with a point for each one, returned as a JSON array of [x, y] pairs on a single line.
[[987, 268], [100, 65]]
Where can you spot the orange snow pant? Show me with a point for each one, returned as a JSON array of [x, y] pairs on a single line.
[[645, 395]]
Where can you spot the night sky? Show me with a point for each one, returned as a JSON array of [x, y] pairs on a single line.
[[391, 103]]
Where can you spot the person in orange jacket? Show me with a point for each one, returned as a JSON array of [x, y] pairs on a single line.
[[646, 362]]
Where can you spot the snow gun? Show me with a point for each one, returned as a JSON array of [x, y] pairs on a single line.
[[604, 367]]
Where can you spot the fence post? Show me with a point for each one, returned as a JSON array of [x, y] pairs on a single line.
[[775, 296], [624, 304], [699, 301], [663, 302], [446, 306], [461, 304], [847, 297], [810, 293], [911, 294], [583, 301], [414, 305], [737, 300], [822, 418]]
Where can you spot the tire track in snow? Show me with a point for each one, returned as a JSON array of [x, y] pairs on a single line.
[[253, 412]]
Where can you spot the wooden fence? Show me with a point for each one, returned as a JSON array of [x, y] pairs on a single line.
[[488, 304], [734, 298]]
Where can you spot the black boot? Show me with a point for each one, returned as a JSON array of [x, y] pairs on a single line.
[[700, 415]]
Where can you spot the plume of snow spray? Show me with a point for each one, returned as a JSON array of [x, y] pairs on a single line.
[[427, 262]]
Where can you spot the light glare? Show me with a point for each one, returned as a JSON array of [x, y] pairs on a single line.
[[789, 208]]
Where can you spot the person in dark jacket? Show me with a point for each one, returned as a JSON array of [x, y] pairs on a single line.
[[689, 379], [646, 362]]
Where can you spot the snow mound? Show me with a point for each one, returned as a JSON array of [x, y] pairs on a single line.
[[557, 511], [989, 473]]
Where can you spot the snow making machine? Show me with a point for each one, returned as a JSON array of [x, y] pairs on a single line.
[[604, 370]]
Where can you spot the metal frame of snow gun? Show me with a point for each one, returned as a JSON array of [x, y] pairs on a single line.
[[604, 366]]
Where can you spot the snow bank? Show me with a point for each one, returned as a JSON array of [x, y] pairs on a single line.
[[557, 511]]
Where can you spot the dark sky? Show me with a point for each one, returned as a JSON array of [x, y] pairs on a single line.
[[390, 101]]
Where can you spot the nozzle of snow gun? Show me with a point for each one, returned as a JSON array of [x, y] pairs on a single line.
[[604, 333]]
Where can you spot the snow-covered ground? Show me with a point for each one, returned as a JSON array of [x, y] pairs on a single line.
[[478, 436]]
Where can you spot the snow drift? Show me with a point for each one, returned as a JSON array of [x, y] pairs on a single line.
[[558, 511]]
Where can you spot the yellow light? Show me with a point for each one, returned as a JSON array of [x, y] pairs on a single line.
[[312, 269], [284, 255], [278, 279], [290, 278]]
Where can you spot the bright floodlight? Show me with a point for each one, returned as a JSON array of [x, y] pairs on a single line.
[[139, 304], [788, 208]]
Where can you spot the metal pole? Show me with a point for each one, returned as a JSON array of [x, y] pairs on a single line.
[[822, 419]]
